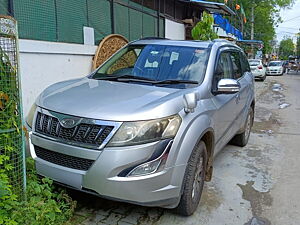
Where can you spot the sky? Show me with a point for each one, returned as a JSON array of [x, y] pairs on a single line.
[[291, 22]]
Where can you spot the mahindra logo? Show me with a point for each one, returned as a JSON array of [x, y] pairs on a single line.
[[68, 123]]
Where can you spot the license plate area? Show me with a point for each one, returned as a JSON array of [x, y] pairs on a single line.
[[66, 176]]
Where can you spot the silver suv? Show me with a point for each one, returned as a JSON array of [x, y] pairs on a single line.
[[145, 126]]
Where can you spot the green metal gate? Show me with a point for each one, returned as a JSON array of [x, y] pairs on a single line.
[[11, 133]]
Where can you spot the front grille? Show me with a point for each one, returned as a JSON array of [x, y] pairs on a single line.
[[87, 134], [62, 159]]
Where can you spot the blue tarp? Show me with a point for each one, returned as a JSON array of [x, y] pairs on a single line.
[[225, 25]]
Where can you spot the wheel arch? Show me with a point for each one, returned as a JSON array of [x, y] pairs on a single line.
[[209, 140]]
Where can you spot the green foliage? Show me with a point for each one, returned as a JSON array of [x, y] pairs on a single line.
[[286, 48], [44, 205], [266, 18], [7, 198], [203, 30], [8, 97]]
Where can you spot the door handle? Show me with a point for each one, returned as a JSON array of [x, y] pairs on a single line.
[[237, 98]]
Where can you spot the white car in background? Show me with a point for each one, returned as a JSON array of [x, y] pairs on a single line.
[[275, 68], [258, 69]]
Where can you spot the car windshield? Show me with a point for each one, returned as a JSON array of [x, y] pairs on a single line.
[[156, 63], [275, 64], [254, 62]]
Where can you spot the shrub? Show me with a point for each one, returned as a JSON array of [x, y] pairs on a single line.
[[45, 204]]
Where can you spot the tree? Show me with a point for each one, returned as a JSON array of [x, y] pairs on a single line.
[[266, 18], [203, 30], [286, 48]]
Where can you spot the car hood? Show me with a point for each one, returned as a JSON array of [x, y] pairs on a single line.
[[108, 100]]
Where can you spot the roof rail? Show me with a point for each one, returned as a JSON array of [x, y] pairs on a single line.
[[221, 40], [151, 38]]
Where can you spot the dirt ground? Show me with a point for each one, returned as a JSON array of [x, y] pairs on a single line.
[[255, 185]]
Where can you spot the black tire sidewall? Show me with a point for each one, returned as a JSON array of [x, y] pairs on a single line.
[[187, 205], [246, 138]]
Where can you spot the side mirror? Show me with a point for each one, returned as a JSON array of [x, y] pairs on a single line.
[[190, 101], [228, 86], [265, 65]]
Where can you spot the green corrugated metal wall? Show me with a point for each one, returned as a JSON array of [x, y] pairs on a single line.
[[63, 20], [99, 18], [36, 19], [71, 17], [136, 24], [121, 20], [4, 7], [161, 27]]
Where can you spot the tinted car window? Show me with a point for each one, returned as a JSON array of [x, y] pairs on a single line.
[[236, 65], [223, 69]]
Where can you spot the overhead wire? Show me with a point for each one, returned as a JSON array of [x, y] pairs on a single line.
[[291, 19]]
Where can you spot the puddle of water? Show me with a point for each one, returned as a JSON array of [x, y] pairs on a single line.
[[277, 87], [257, 199], [258, 221], [284, 105]]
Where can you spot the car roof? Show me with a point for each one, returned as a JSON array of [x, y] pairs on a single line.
[[183, 43]]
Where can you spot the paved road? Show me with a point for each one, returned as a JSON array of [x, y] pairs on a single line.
[[255, 185]]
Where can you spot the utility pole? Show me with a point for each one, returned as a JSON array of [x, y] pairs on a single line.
[[252, 22], [242, 23], [252, 28]]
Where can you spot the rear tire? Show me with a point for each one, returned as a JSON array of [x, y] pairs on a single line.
[[242, 139], [193, 181]]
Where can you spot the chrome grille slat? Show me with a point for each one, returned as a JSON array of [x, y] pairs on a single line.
[[91, 135], [98, 133], [49, 125]]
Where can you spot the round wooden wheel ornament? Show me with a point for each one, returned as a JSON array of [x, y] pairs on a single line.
[[107, 47]]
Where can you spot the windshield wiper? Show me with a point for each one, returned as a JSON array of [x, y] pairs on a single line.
[[176, 82], [125, 77]]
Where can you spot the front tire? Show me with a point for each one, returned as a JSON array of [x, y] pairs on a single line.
[[242, 139], [193, 181]]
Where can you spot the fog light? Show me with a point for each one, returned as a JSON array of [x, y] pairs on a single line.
[[153, 166], [147, 168]]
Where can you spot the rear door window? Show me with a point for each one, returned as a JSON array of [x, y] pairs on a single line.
[[236, 64], [245, 63]]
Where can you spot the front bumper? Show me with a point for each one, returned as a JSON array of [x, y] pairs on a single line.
[[159, 189], [274, 72], [258, 74]]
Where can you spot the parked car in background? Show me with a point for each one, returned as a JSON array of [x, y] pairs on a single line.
[[275, 68], [258, 69], [144, 127]]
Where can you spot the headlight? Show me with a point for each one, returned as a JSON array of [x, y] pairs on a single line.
[[133, 133], [29, 118]]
